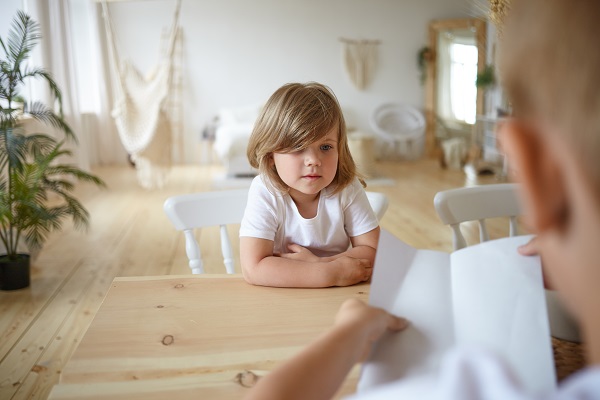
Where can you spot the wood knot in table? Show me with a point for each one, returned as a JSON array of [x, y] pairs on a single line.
[[179, 286], [168, 340], [246, 379], [39, 368]]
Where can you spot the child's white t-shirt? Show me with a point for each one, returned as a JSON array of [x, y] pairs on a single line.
[[274, 216]]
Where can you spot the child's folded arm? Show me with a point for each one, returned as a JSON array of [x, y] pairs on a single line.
[[261, 267], [363, 247]]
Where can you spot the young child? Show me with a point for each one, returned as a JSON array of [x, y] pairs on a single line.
[[550, 65], [307, 206]]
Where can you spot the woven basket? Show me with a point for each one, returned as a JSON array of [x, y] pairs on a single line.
[[568, 357]]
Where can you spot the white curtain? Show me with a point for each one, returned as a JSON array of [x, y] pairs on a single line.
[[107, 145], [93, 77], [54, 54], [71, 49]]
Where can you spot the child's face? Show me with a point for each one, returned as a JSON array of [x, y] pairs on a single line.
[[312, 169]]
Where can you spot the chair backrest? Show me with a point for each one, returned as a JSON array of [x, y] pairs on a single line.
[[189, 212], [379, 203], [477, 204]]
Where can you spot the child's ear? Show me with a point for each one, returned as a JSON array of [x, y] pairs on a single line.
[[533, 163]]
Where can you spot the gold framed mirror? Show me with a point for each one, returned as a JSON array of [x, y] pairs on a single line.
[[456, 54]]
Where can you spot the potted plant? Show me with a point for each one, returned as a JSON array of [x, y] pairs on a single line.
[[30, 165], [424, 57], [486, 78]]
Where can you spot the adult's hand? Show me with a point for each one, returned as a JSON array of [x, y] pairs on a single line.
[[374, 322], [530, 248], [320, 368]]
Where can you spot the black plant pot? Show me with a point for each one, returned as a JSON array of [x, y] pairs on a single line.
[[14, 274]]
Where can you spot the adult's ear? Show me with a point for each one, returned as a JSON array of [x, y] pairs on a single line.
[[532, 162]]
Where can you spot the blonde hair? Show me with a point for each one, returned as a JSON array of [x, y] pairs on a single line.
[[549, 68], [294, 117]]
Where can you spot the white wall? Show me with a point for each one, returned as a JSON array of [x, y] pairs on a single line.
[[238, 52]]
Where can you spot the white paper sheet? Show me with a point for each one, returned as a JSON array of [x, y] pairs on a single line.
[[485, 295], [499, 303]]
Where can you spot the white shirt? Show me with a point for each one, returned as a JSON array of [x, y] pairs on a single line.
[[274, 216], [468, 374]]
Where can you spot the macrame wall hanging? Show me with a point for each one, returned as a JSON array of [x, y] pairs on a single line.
[[140, 107], [360, 60]]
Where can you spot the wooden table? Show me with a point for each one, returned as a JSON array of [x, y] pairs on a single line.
[[195, 337]]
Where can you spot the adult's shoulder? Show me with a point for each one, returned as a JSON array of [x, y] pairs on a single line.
[[465, 374]]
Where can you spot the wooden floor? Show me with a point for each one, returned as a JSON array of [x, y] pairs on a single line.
[[130, 235]]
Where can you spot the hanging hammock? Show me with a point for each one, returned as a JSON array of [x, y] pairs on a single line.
[[140, 108]]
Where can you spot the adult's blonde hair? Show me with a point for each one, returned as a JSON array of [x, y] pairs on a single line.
[[550, 66], [294, 117]]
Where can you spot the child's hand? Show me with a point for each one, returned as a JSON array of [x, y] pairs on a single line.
[[299, 253], [350, 271]]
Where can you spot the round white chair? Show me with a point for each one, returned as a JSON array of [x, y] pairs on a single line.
[[403, 126]]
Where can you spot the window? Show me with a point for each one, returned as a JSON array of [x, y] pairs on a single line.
[[463, 75], [456, 76]]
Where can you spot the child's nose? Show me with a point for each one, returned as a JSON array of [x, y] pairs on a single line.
[[312, 158]]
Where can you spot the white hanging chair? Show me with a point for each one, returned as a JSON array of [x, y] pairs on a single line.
[[403, 127], [140, 105]]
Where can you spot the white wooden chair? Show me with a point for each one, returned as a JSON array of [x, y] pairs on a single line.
[[492, 201], [199, 210], [189, 212], [379, 203], [477, 203]]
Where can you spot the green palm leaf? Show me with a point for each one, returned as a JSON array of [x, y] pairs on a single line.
[[42, 113], [30, 165], [22, 38]]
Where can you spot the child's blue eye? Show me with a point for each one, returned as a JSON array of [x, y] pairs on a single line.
[[326, 147]]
